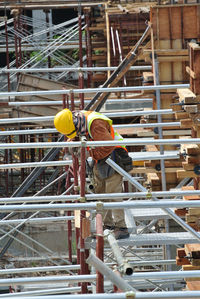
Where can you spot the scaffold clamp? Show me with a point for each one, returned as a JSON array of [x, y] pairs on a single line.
[[99, 207], [82, 199], [83, 141], [130, 295]]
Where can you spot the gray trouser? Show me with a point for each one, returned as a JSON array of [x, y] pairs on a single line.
[[113, 184]]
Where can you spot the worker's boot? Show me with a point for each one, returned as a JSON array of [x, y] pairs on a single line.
[[121, 233]]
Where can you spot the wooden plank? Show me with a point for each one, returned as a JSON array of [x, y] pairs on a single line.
[[181, 174], [190, 149], [173, 58], [153, 170], [190, 267], [192, 218], [186, 95], [150, 133], [168, 52], [190, 72], [186, 123], [190, 28], [164, 27], [176, 22], [191, 197], [181, 115], [193, 285], [191, 108], [194, 211], [187, 166]]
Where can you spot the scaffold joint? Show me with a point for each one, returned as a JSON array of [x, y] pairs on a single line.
[[82, 199], [130, 295], [76, 188], [99, 207], [83, 141]]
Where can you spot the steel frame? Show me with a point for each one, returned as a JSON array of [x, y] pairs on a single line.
[[75, 191]]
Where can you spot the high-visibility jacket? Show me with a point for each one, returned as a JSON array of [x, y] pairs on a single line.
[[92, 115]]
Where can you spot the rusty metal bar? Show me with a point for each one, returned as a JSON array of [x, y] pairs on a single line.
[[99, 251]]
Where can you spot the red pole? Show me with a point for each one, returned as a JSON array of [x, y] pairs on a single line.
[[88, 46], [81, 78], [19, 39], [72, 100], [7, 53], [99, 251], [82, 216], [69, 223], [75, 174], [116, 289], [6, 171], [68, 184]]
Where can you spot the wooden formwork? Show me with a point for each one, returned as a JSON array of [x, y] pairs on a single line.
[[171, 34]]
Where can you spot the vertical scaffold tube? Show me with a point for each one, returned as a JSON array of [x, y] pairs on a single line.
[[81, 83], [99, 251], [82, 216]]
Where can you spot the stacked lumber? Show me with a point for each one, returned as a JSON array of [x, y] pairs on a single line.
[[189, 258], [188, 108], [192, 215], [191, 154], [187, 112]]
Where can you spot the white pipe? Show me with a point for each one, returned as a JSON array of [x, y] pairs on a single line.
[[110, 275], [38, 269], [47, 279], [53, 103], [103, 196], [167, 156], [124, 266], [128, 142], [108, 114], [92, 90], [42, 292], [47, 131], [37, 220], [164, 275], [137, 295], [105, 206], [36, 164], [72, 69]]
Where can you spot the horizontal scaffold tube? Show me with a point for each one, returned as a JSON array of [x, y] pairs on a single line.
[[47, 131], [37, 220], [38, 269], [105, 206], [91, 90], [36, 164], [47, 279], [163, 275], [109, 114], [104, 196], [134, 156], [128, 142], [135, 295], [45, 103], [73, 69]]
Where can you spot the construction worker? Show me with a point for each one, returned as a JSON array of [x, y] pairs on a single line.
[[96, 126]]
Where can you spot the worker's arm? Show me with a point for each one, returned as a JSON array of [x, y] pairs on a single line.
[[100, 130]]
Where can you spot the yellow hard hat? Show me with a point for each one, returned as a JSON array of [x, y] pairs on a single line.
[[63, 123]]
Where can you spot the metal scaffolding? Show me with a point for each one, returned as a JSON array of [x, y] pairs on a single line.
[[52, 241]]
